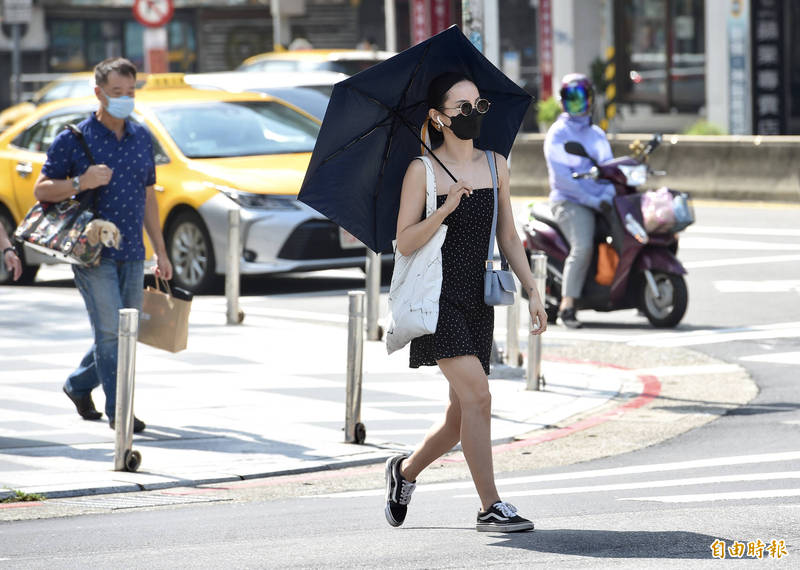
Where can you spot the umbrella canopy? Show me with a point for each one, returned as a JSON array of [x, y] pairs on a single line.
[[370, 132]]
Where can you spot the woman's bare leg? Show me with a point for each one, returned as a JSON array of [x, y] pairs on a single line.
[[441, 439], [471, 385]]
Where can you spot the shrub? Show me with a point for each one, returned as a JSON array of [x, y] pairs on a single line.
[[703, 127], [547, 112]]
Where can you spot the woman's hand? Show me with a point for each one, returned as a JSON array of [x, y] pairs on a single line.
[[538, 315], [454, 195]]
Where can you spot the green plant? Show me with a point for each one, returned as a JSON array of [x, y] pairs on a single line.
[[703, 127], [548, 111], [21, 497]]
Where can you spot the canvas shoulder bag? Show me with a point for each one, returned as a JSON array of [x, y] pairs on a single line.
[[416, 281], [498, 284], [59, 229]]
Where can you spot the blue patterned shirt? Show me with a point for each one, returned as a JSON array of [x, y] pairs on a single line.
[[133, 164]]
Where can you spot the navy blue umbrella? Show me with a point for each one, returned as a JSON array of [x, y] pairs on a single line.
[[371, 128]]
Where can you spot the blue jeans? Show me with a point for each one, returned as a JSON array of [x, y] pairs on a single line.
[[107, 288]]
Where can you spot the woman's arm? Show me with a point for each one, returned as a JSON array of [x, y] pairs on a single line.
[[511, 246], [412, 233]]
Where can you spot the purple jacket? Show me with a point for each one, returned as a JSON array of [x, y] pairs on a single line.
[[561, 164]]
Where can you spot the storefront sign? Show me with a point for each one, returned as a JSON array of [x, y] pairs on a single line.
[[419, 23], [440, 15], [769, 106], [545, 48], [738, 65]]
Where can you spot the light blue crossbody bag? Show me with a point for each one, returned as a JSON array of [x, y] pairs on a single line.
[[498, 284]]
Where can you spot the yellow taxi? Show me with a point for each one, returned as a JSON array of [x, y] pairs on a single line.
[[65, 87], [215, 151], [347, 61], [72, 85]]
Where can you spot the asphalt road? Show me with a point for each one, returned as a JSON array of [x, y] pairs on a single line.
[[735, 480]]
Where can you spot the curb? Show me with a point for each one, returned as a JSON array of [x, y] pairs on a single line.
[[650, 389]]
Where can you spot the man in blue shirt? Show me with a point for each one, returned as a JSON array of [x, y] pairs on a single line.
[[575, 202], [124, 177]]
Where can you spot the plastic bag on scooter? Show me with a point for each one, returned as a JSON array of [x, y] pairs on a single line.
[[684, 216], [657, 211]]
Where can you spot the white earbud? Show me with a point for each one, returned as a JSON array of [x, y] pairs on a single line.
[[439, 120]]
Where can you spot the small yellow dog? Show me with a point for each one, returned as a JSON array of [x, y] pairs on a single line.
[[103, 231]]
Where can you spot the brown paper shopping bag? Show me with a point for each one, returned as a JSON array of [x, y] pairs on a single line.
[[164, 321]]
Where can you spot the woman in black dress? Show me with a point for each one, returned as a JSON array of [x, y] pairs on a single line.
[[463, 339]]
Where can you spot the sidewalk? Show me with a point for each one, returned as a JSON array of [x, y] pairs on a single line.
[[254, 400]]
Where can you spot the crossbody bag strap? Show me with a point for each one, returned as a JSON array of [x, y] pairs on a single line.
[[490, 255], [430, 187], [75, 130]]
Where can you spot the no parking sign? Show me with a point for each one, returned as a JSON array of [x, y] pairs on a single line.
[[153, 13]]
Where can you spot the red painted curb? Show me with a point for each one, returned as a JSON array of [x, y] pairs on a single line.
[[650, 390], [20, 504]]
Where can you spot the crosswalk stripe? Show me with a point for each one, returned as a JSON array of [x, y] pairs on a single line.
[[774, 358], [726, 230], [693, 338], [782, 475], [733, 496], [739, 261], [762, 286], [720, 244], [596, 473]]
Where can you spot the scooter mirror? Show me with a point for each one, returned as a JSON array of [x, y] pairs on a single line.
[[576, 148]]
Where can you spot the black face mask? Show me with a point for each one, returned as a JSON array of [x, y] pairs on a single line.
[[466, 127]]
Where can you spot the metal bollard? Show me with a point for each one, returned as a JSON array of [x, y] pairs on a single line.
[[513, 356], [373, 294], [234, 314], [125, 459], [354, 430], [535, 379]]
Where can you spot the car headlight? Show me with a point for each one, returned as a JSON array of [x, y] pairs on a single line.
[[258, 201]]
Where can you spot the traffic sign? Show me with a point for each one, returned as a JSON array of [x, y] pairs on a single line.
[[153, 13], [17, 11]]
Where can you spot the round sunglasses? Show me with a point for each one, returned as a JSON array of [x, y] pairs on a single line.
[[481, 105]]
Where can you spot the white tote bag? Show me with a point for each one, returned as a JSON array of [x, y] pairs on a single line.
[[416, 282]]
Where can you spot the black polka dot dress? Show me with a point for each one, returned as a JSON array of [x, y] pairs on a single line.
[[466, 322]]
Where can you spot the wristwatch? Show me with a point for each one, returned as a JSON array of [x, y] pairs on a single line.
[[76, 184]]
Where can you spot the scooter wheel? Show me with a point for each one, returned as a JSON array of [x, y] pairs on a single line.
[[666, 309], [133, 459]]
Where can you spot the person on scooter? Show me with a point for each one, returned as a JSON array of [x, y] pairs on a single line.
[[575, 201]]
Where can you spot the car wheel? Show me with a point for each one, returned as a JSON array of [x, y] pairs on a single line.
[[28, 271], [191, 252]]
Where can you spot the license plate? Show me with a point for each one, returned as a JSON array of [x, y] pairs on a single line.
[[348, 240]]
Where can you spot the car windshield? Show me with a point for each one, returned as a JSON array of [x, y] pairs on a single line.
[[306, 98], [219, 129]]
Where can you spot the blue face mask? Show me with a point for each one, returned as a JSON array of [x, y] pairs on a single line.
[[119, 107]]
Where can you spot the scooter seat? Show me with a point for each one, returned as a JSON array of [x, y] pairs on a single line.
[[542, 212]]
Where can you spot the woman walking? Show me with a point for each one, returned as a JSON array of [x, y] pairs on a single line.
[[462, 343]]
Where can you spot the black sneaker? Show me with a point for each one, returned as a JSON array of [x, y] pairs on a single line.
[[502, 517], [398, 491], [569, 320], [138, 425], [84, 405]]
